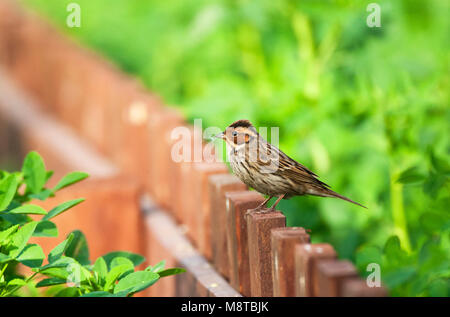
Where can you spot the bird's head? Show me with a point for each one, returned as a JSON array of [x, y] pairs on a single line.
[[239, 133]]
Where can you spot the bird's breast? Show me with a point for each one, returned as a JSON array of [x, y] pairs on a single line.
[[253, 175]]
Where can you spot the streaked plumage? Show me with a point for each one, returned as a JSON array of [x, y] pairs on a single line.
[[267, 169]]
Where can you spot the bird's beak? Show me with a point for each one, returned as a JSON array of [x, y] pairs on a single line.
[[221, 135]]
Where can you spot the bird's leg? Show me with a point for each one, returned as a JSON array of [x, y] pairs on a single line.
[[263, 204], [276, 203]]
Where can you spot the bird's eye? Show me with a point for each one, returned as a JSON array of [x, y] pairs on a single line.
[[234, 133]]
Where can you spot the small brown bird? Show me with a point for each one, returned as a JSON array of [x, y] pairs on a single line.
[[267, 169]]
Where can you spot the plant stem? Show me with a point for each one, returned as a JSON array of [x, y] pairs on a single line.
[[20, 286], [398, 213], [3, 270]]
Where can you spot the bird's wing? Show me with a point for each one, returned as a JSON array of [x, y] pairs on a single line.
[[272, 160], [297, 172]]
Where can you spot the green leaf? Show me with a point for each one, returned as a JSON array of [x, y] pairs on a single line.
[[21, 237], [432, 222], [65, 268], [61, 208], [61, 262], [16, 219], [434, 183], [101, 269], [171, 271], [118, 261], [133, 257], [51, 281], [77, 273], [67, 180], [70, 179], [17, 282], [121, 260], [394, 253], [136, 282], [4, 258], [440, 166], [392, 245], [78, 248], [28, 209], [68, 292], [158, 267], [34, 172], [429, 252], [411, 175], [42, 195], [7, 232], [399, 276], [86, 273], [31, 256], [57, 252], [57, 272], [114, 274], [98, 294], [48, 175], [45, 229], [8, 188], [439, 288], [367, 255]]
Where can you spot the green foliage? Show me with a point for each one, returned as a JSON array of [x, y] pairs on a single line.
[[135, 282], [119, 279], [365, 108], [112, 275], [34, 173], [70, 179], [136, 259]]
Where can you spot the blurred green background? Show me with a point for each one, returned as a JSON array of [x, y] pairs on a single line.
[[367, 109]]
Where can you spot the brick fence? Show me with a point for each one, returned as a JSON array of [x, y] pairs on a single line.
[[81, 113]]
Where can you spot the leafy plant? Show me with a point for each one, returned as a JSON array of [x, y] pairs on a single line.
[[113, 274], [425, 269]]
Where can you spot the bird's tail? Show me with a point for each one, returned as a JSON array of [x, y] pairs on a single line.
[[325, 192]]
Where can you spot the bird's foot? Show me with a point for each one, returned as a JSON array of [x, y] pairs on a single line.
[[261, 209], [272, 209], [257, 209]]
